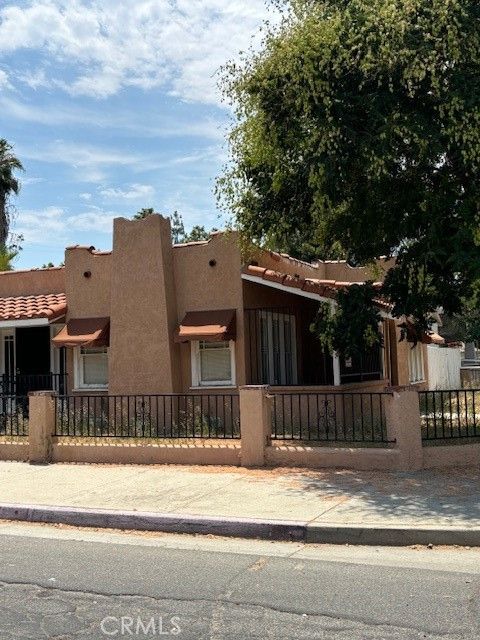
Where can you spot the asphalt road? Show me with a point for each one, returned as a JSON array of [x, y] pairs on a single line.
[[66, 583]]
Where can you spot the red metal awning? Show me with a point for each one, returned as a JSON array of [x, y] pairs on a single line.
[[84, 332], [209, 326]]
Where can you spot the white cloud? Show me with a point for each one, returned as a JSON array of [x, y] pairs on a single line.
[[107, 45], [85, 196], [88, 163], [4, 81], [58, 114], [34, 78], [98, 221], [46, 226], [134, 192], [55, 225], [25, 182]]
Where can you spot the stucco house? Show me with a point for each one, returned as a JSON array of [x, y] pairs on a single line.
[[150, 317]]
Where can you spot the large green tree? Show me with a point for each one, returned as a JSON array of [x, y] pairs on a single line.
[[358, 133]]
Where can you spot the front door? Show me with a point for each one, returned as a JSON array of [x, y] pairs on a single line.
[[32, 359]]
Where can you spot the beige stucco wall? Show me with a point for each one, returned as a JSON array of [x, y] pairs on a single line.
[[461, 455], [403, 349], [285, 264], [198, 453], [201, 287], [342, 272], [321, 270], [34, 281], [143, 358], [292, 455], [87, 297], [10, 450]]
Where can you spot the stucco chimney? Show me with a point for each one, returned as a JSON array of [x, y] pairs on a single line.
[[143, 317]]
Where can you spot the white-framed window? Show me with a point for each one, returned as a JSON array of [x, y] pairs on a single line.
[[91, 368], [415, 363], [213, 364]]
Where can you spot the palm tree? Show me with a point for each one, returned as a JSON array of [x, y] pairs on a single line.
[[8, 185]]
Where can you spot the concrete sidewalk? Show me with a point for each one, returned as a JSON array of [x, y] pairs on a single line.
[[338, 505]]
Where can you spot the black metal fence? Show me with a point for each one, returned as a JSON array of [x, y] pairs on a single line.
[[450, 415], [22, 384], [330, 417], [13, 415], [151, 416]]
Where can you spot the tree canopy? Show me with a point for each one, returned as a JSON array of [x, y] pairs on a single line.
[[357, 133], [179, 235]]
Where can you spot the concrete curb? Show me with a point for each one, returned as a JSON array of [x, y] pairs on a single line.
[[391, 535], [148, 521], [286, 530]]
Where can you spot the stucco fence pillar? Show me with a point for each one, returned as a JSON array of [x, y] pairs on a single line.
[[255, 424], [41, 426], [402, 413]]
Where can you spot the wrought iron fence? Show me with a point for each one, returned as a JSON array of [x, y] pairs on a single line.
[[330, 417], [13, 415], [450, 415], [21, 384], [151, 416]]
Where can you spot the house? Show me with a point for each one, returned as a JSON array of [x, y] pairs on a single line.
[[150, 317]]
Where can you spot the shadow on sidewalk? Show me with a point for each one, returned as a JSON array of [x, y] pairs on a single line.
[[422, 495]]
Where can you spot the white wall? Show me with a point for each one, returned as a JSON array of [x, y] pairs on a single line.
[[443, 367]]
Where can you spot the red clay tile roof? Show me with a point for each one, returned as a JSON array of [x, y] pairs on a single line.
[[50, 305], [324, 288]]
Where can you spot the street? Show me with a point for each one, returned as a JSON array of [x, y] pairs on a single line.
[[60, 582]]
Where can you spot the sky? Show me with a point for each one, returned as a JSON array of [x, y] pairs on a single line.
[[113, 105]]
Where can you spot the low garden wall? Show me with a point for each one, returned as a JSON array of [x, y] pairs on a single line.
[[397, 429]]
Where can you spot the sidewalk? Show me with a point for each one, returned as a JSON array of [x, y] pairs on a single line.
[[333, 503]]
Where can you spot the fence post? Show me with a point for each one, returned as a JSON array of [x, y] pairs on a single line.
[[402, 412], [255, 424], [41, 425]]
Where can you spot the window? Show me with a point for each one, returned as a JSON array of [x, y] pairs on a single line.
[[278, 348], [213, 364], [92, 368], [415, 363]]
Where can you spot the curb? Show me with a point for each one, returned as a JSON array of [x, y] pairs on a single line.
[[280, 530], [392, 535], [166, 522]]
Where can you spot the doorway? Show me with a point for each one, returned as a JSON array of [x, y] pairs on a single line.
[[32, 359]]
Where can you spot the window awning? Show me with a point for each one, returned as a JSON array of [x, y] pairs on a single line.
[[427, 338], [433, 338], [208, 326], [84, 332]]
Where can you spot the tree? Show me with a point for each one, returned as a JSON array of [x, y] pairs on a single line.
[[9, 252], [198, 233], [178, 228], [179, 234], [143, 213], [8, 185], [358, 132]]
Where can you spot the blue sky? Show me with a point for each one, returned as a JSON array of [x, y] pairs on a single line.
[[113, 105]]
